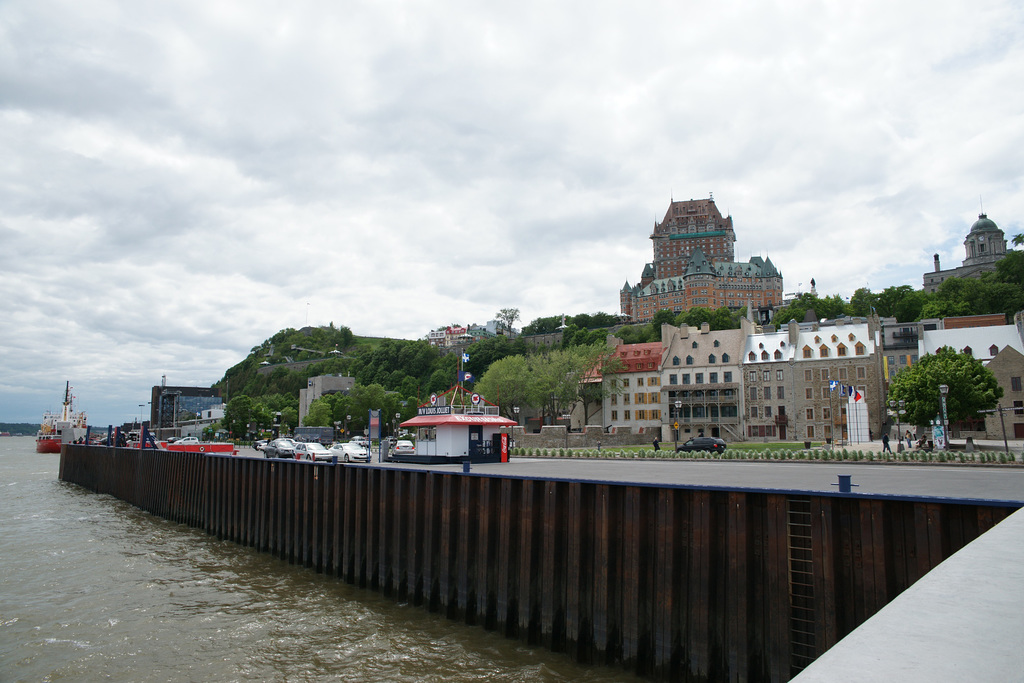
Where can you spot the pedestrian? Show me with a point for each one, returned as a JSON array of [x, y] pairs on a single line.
[[885, 443], [656, 447], [910, 440]]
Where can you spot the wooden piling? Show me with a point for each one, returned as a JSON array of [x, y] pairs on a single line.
[[673, 583]]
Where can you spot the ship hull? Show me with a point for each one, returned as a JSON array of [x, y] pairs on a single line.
[[47, 445]]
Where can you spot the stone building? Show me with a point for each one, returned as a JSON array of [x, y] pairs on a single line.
[[701, 381], [693, 265], [984, 245], [321, 385], [633, 392]]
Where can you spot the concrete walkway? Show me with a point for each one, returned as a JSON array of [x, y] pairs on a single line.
[[963, 621]]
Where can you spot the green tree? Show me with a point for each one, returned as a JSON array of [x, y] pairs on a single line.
[[507, 317], [320, 414], [972, 387], [507, 383], [863, 302], [237, 415]]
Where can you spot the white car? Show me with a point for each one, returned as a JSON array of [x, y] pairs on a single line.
[[351, 452], [186, 439], [403, 447], [312, 451]]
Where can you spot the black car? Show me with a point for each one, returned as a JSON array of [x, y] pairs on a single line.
[[703, 443], [280, 448]]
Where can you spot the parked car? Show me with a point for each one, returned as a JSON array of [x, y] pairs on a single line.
[[280, 448], [403, 447], [260, 444], [312, 451], [186, 439], [703, 443], [351, 452]]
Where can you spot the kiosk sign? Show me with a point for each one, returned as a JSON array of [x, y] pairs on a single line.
[[434, 410]]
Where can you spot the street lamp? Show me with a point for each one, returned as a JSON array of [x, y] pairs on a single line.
[[515, 409], [943, 391], [347, 418], [679, 408], [898, 411], [398, 417]]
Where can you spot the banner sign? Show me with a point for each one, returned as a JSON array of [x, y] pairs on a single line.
[[434, 410]]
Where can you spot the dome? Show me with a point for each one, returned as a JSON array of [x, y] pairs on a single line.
[[983, 224]]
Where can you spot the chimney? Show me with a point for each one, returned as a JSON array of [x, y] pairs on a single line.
[[937, 268]]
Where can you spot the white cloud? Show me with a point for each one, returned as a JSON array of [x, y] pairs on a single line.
[[178, 182]]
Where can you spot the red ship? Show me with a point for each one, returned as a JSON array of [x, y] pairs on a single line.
[[64, 427]]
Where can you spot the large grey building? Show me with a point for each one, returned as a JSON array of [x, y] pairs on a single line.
[[984, 245]]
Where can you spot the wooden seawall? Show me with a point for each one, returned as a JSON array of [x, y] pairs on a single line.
[[673, 583]]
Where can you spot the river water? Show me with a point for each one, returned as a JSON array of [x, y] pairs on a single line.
[[93, 589]]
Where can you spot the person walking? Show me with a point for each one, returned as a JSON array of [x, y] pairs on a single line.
[[656, 446], [885, 443], [910, 440]]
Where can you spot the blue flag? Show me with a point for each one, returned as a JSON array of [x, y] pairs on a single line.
[[465, 357], [465, 376]]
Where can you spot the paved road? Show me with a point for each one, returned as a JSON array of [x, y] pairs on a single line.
[[978, 482]]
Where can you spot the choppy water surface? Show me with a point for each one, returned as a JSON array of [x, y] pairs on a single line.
[[94, 589]]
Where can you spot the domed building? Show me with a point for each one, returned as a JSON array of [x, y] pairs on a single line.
[[985, 244]]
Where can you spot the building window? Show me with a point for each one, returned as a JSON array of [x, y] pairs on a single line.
[[859, 349], [862, 372], [625, 382], [751, 357], [615, 399], [713, 377], [615, 415], [752, 375], [766, 375], [767, 411], [808, 377], [625, 415], [655, 397], [716, 344], [778, 375], [842, 373], [780, 393], [1018, 407], [1015, 384], [778, 354], [823, 351], [808, 393], [753, 393], [993, 350], [810, 413], [826, 413], [698, 378], [807, 352], [727, 376], [686, 378], [841, 350], [753, 411], [625, 399], [689, 360], [810, 431], [711, 358], [675, 360], [673, 379], [725, 358], [654, 381]]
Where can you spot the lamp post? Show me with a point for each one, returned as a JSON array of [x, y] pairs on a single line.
[[347, 418], [398, 418], [943, 391], [675, 425], [897, 408], [515, 409]]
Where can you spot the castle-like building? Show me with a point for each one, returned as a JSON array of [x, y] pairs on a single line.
[[694, 265], [984, 245]]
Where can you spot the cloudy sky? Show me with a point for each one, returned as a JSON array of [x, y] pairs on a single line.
[[179, 181]]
